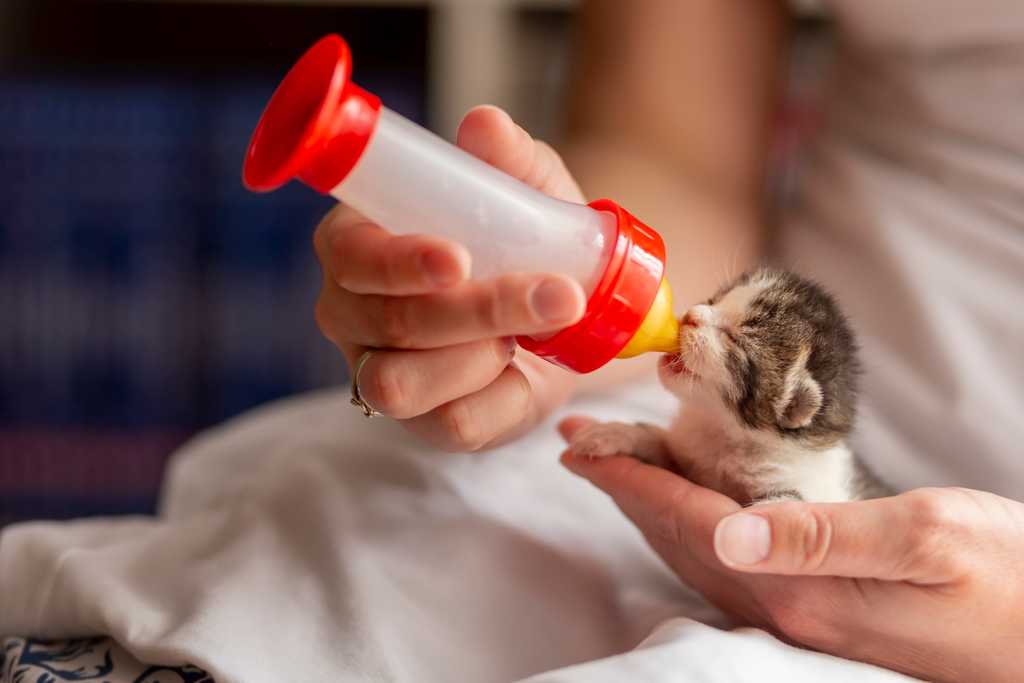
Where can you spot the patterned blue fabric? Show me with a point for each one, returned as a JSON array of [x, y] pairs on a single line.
[[25, 660], [144, 294]]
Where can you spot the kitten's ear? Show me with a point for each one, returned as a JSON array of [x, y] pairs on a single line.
[[801, 397]]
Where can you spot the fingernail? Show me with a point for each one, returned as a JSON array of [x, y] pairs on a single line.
[[440, 268], [743, 539], [553, 301]]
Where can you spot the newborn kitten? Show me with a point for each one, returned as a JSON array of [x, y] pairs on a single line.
[[766, 373]]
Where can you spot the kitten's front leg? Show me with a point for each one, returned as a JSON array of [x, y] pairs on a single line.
[[603, 439]]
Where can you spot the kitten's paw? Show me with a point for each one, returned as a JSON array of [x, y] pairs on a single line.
[[603, 440]]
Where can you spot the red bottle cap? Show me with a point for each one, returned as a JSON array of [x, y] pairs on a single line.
[[316, 125], [619, 303]]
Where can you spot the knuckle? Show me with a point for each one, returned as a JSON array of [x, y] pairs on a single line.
[[324, 319], [392, 270], [461, 426], [490, 313], [936, 531], [509, 304], [524, 390], [324, 229], [343, 255], [336, 257], [392, 322], [387, 390], [932, 514], [546, 162], [814, 538], [499, 352]]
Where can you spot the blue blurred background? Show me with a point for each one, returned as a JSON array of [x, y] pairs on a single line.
[[144, 294]]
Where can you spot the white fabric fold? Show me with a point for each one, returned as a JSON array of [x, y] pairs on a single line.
[[304, 543]]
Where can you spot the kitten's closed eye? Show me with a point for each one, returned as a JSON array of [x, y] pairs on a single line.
[[730, 335]]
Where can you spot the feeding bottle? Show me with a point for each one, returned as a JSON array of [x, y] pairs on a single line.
[[323, 129]]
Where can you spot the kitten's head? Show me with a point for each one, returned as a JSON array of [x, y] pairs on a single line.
[[776, 351]]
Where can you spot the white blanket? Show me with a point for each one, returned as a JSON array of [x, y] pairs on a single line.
[[303, 543]]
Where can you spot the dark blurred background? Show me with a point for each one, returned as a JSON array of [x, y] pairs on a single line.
[[144, 294]]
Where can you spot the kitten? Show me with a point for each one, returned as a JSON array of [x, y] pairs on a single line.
[[767, 377]]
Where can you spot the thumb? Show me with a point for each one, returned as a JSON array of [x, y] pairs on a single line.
[[665, 507], [903, 538], [491, 135]]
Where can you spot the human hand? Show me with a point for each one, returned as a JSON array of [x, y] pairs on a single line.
[[929, 582], [445, 342]]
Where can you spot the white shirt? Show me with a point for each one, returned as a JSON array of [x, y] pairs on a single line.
[[912, 212]]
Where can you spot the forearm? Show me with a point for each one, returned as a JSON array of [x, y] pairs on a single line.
[[672, 114], [709, 234], [709, 238]]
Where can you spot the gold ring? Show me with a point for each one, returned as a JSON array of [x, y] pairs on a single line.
[[357, 398]]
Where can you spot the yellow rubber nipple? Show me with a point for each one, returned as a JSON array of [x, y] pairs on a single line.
[[659, 331]]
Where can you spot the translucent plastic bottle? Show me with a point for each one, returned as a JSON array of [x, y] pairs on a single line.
[[337, 138]]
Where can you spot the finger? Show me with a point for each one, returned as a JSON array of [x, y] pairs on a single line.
[[911, 537], [505, 306], [661, 504], [572, 424], [472, 422], [404, 384], [490, 134], [364, 258]]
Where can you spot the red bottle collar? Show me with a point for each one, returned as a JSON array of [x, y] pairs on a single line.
[[619, 303]]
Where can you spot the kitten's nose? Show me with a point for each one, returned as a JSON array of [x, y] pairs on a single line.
[[697, 316]]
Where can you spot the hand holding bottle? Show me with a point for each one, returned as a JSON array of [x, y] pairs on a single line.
[[445, 369]]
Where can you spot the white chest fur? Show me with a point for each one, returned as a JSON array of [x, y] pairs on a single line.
[[713, 449]]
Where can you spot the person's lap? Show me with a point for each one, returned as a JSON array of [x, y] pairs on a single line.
[[305, 543]]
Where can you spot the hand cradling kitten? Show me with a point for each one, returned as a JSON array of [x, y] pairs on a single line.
[[766, 375]]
